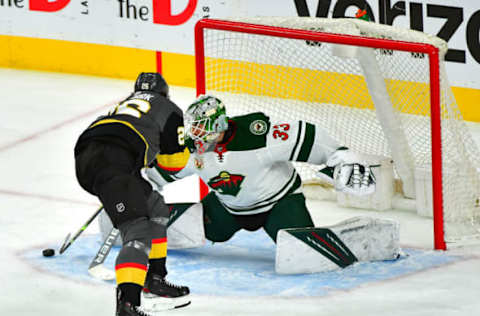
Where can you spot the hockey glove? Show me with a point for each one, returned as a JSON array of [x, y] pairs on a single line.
[[353, 172]]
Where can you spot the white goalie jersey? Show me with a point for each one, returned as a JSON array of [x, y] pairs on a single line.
[[251, 169]]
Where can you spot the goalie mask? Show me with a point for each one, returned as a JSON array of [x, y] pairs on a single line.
[[205, 119]]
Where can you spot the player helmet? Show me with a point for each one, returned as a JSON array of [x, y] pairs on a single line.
[[151, 81], [205, 119]]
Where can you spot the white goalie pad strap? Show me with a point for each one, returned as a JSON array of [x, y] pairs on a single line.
[[187, 230], [306, 250]]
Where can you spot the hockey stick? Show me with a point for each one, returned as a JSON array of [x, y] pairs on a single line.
[[96, 268], [68, 241]]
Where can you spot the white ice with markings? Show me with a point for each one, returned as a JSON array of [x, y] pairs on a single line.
[[43, 114]]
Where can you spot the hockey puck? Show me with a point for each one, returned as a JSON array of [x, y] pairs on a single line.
[[49, 252]]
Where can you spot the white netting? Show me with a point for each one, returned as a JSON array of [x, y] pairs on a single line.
[[375, 101]]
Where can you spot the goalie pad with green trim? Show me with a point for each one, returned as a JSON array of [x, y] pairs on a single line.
[[317, 249], [184, 230], [105, 225]]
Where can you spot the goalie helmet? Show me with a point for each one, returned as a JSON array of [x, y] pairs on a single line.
[[151, 81], [205, 119]]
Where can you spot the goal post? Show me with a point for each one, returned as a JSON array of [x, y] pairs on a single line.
[[375, 88]]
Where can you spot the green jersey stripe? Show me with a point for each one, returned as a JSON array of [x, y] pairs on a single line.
[[292, 155], [307, 144]]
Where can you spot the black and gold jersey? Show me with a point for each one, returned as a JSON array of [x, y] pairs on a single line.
[[149, 124]]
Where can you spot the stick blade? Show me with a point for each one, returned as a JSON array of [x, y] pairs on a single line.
[[101, 272], [65, 244]]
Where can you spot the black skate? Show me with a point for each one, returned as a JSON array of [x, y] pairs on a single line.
[[159, 294], [127, 309]]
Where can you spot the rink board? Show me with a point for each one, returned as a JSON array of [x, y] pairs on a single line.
[[243, 266]]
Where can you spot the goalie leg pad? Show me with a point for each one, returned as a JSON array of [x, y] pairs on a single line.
[[311, 250], [105, 225], [185, 229], [370, 239]]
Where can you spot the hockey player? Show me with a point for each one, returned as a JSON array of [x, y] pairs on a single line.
[[246, 162], [109, 156]]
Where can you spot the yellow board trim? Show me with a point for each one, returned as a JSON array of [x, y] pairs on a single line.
[[307, 84], [321, 87], [131, 275], [179, 69], [75, 57], [126, 63], [468, 101]]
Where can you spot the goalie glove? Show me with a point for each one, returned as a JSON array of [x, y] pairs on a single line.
[[352, 172]]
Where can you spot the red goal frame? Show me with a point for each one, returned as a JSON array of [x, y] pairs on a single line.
[[434, 64]]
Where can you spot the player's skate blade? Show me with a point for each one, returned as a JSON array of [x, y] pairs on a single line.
[[126, 309], [153, 303]]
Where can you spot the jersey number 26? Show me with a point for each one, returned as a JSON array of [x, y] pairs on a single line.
[[134, 107]]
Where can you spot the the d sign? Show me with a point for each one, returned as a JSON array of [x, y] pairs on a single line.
[[162, 12], [48, 6]]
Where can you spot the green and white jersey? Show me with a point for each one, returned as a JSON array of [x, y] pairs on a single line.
[[252, 170]]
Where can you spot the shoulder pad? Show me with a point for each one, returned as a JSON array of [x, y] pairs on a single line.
[[251, 131], [256, 123]]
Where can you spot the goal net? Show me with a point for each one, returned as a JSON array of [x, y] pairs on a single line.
[[377, 89]]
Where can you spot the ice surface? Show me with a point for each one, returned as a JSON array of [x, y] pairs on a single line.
[[244, 266], [43, 114]]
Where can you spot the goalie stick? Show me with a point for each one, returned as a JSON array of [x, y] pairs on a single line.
[[68, 241], [97, 269]]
